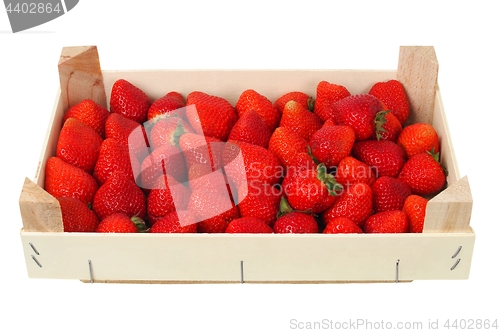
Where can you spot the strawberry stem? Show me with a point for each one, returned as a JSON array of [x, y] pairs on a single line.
[[310, 104], [329, 180], [139, 224]]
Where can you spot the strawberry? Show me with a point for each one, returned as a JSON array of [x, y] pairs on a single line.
[[164, 160], [296, 223], [354, 203], [415, 207], [121, 223], [201, 149], [181, 221], [252, 100], [300, 120], [78, 144], [392, 221], [392, 93], [167, 130], [359, 112], [114, 156], [389, 193], [119, 194], [129, 101], [167, 195], [418, 138], [351, 171], [423, 174], [259, 164], [341, 225], [212, 115], [385, 157], [259, 200], [77, 216], [329, 122], [213, 210], [248, 225], [301, 161], [129, 132], [252, 129], [331, 144], [90, 113], [387, 126], [65, 180], [326, 95], [311, 190], [286, 144], [298, 96], [166, 104]]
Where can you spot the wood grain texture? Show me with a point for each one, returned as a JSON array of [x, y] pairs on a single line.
[[450, 211], [81, 76], [418, 72], [40, 211]]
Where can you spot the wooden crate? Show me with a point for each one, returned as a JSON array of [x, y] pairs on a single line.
[[443, 251]]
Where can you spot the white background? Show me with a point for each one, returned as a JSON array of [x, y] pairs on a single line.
[[254, 34]]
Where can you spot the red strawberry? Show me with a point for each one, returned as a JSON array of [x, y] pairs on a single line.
[[77, 216], [387, 126], [388, 222], [252, 100], [181, 221], [129, 101], [296, 223], [419, 138], [331, 144], [386, 158], [298, 96], [389, 194], [300, 120], [392, 93], [311, 190], [213, 210], [326, 95], [121, 223], [329, 122], [359, 112], [78, 144], [252, 129], [212, 115], [168, 130], [201, 177], [423, 174], [199, 149], [248, 225], [259, 200], [354, 203], [286, 144], [164, 160], [166, 104], [167, 195], [119, 195], [90, 113], [415, 207], [129, 132], [247, 163], [341, 225], [301, 161], [113, 156], [65, 180], [351, 171]]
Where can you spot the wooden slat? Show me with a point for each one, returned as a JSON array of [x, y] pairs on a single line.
[[81, 76], [418, 72]]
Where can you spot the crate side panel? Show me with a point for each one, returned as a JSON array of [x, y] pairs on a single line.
[[266, 258]]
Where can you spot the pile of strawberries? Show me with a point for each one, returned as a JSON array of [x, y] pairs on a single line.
[[339, 163]]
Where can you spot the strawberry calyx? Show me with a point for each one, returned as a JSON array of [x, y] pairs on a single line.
[[309, 152], [310, 104], [436, 156], [380, 121], [139, 224], [329, 180], [285, 208]]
